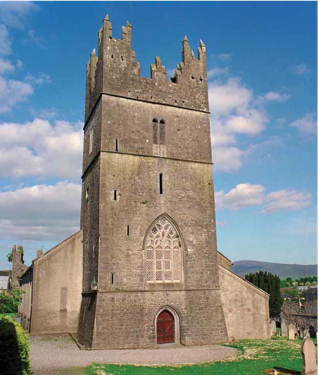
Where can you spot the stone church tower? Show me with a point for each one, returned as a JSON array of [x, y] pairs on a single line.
[[148, 212]]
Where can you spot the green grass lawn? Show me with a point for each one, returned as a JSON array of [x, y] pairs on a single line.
[[256, 356]]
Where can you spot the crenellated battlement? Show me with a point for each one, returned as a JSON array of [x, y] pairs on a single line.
[[115, 71]]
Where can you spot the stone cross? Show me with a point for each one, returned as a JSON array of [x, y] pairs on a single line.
[[291, 332], [273, 327], [308, 352], [284, 328]]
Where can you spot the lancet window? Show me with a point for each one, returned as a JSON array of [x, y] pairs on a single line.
[[159, 132]]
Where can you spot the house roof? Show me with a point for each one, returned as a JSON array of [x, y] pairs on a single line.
[[5, 273]]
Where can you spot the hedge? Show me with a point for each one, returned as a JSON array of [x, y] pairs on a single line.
[[8, 303], [14, 348]]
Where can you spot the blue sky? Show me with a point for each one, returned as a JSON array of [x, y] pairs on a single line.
[[262, 59]]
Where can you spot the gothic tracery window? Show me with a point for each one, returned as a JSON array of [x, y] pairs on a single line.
[[163, 253]]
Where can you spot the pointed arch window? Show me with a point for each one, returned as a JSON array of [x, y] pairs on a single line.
[[162, 132], [163, 253], [159, 132], [155, 131]]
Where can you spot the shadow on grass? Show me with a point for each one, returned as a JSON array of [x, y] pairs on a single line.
[[286, 371]]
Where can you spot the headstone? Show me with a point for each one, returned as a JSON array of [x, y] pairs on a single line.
[[273, 327], [284, 328], [301, 333], [291, 332], [306, 333], [308, 352]]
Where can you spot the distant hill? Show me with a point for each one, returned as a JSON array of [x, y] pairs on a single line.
[[242, 267]]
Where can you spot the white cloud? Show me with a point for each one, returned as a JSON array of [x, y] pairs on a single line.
[[225, 56], [246, 194], [232, 114], [227, 159], [33, 38], [5, 42], [6, 66], [301, 69], [241, 196], [171, 72], [39, 80], [286, 200], [272, 96], [247, 121], [13, 92], [236, 112], [40, 212], [226, 97], [217, 72], [221, 223], [40, 149], [281, 122], [45, 113], [307, 125], [15, 13], [19, 64]]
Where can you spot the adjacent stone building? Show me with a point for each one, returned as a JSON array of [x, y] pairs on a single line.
[[302, 316], [151, 273]]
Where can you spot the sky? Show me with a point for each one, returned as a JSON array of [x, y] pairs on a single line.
[[262, 70]]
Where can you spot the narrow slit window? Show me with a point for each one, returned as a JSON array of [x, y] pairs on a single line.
[[155, 131], [115, 195], [112, 277], [162, 132], [87, 195], [116, 145], [91, 135], [160, 183], [127, 230]]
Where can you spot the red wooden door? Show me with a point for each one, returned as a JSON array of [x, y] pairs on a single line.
[[165, 328]]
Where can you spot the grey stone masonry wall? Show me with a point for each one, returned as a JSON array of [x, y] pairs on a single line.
[[246, 307], [116, 72], [118, 325], [57, 286], [18, 266], [123, 163]]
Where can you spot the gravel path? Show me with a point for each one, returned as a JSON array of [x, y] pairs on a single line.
[[56, 353]]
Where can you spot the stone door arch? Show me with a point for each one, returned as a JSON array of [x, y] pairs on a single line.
[[167, 326]]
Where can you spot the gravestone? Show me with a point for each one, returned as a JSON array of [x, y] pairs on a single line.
[[273, 327], [306, 333], [284, 328], [291, 332], [308, 352]]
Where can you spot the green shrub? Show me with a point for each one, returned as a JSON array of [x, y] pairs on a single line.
[[14, 348], [9, 301]]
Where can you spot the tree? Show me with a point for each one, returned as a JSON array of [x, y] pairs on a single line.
[[270, 284], [10, 256], [9, 301]]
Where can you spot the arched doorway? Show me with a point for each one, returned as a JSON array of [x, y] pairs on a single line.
[[165, 328]]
